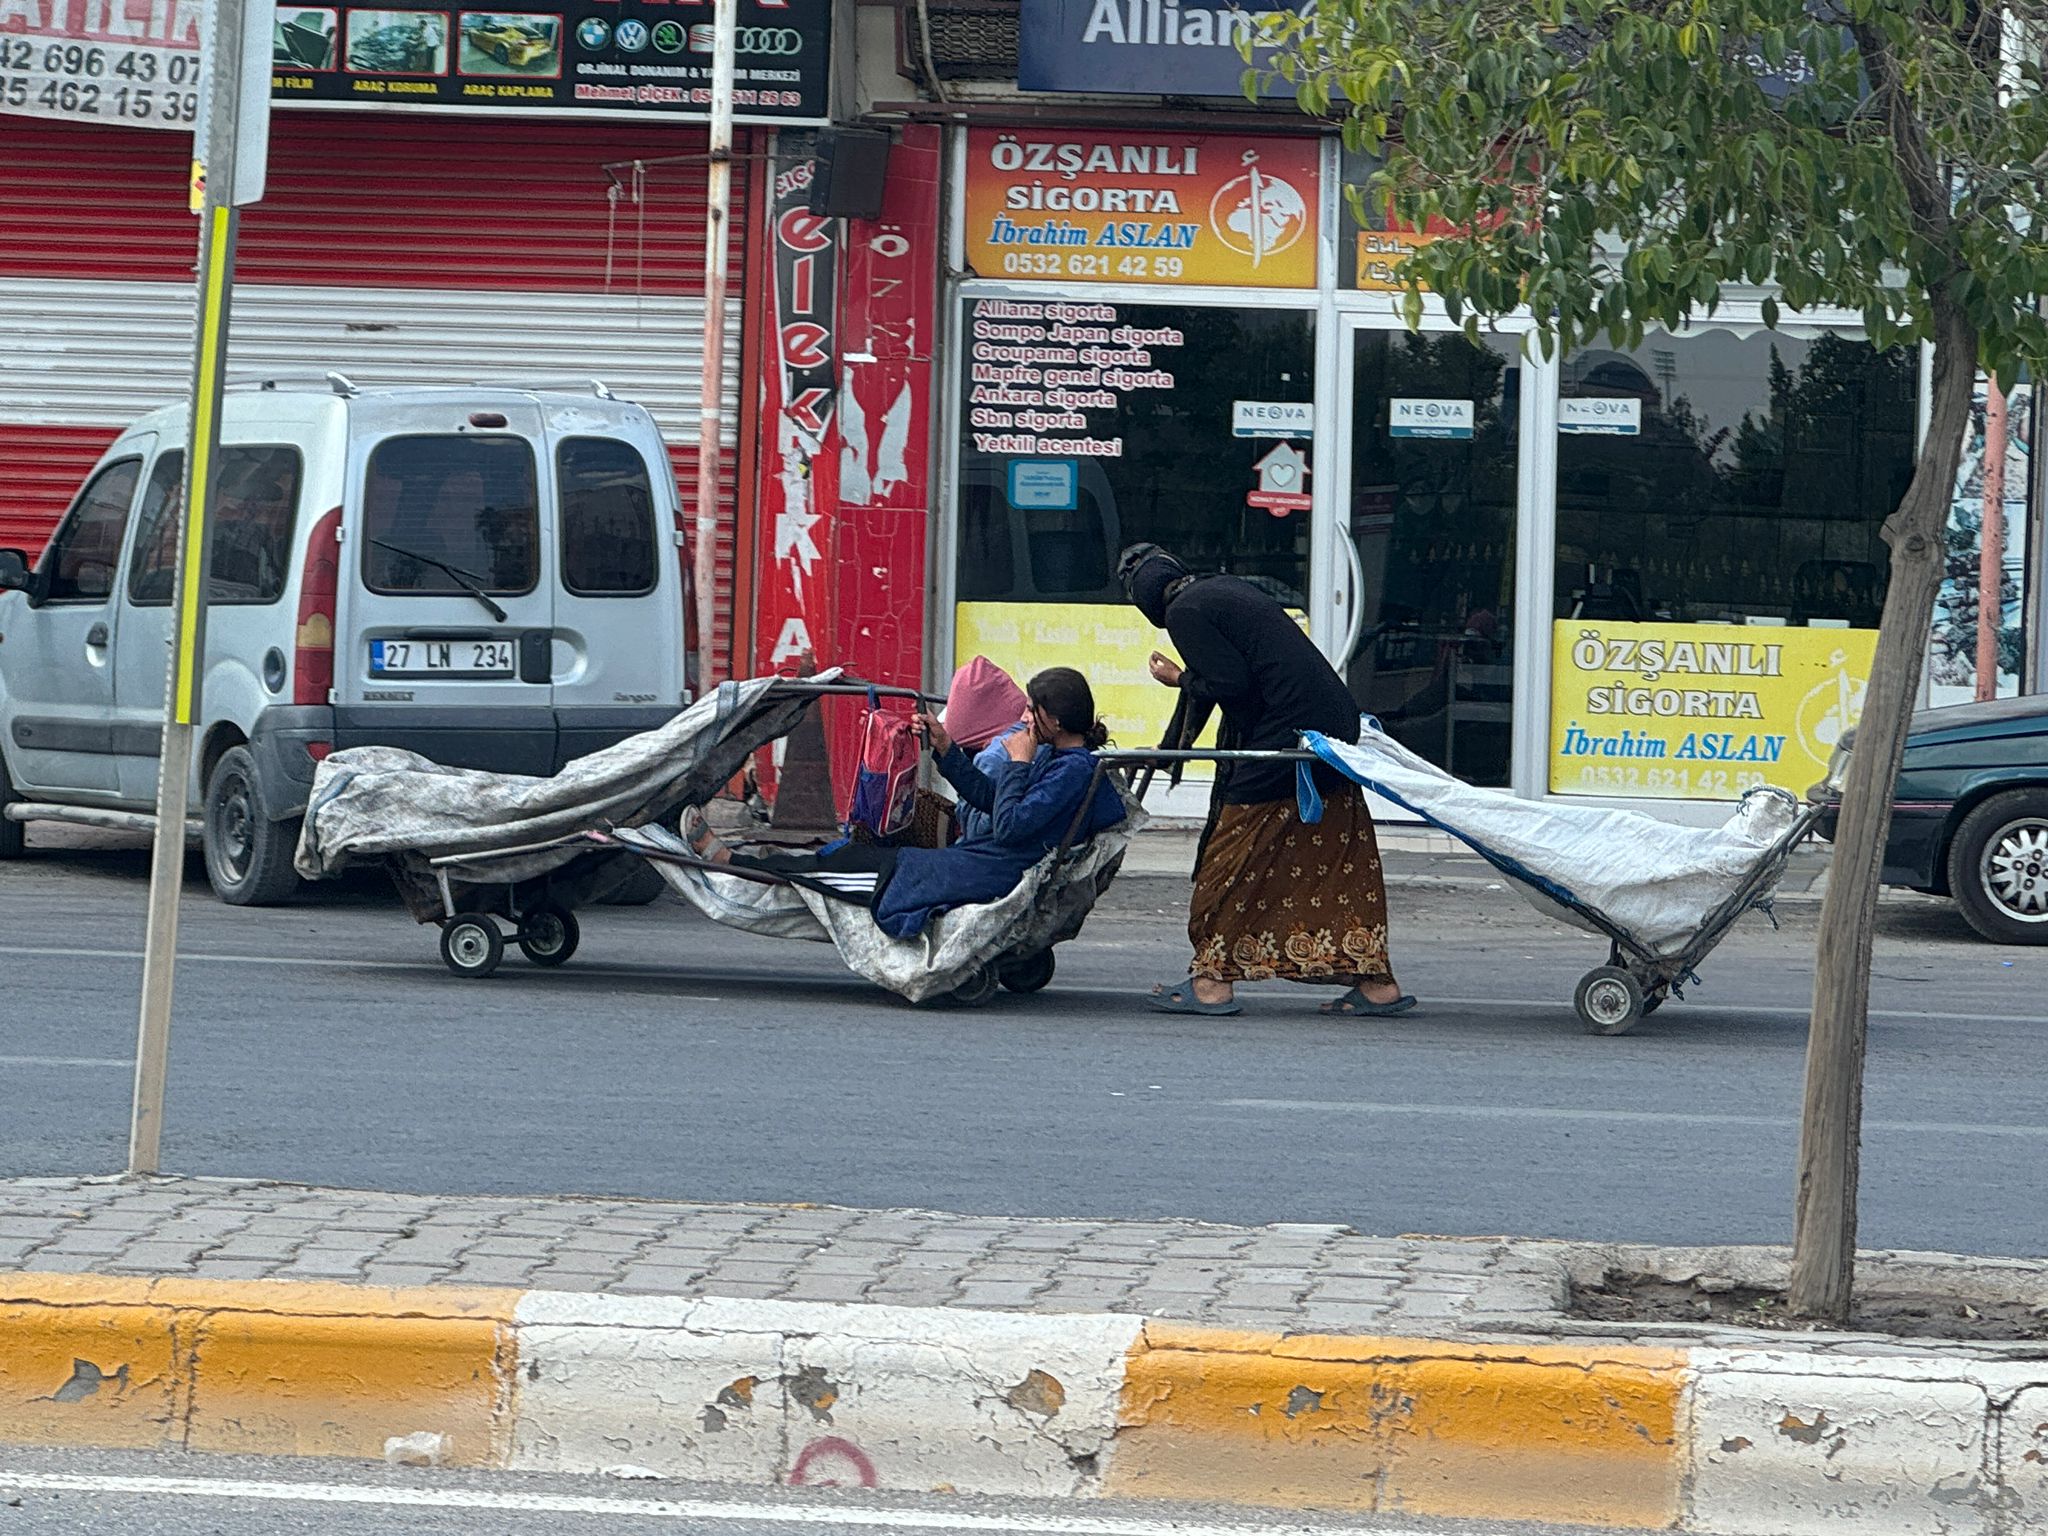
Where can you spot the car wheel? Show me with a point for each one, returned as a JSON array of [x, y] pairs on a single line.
[[13, 839], [248, 856], [1998, 867]]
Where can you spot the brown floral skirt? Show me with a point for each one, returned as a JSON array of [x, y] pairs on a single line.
[[1279, 900]]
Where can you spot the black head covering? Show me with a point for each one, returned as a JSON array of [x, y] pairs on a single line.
[[1147, 572]]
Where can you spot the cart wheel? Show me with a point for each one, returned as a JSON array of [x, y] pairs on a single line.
[[977, 990], [1609, 1000], [472, 946], [548, 934], [1031, 974]]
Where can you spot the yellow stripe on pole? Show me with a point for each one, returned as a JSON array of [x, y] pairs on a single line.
[[205, 400]]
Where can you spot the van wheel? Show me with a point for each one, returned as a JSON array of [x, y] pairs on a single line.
[[248, 856], [13, 835]]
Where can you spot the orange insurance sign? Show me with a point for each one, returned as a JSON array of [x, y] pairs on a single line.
[[1142, 208]]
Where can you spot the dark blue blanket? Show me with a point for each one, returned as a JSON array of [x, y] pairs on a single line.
[[1029, 806]]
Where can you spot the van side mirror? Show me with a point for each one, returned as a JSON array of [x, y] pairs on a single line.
[[15, 575]]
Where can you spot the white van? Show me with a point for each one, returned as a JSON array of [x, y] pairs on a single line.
[[490, 576]]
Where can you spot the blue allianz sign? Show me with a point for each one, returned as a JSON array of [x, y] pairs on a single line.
[[1137, 48]]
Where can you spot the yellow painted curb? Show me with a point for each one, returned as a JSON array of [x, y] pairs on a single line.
[[1420, 1427], [260, 1367]]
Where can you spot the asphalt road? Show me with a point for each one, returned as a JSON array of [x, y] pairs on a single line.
[[43, 1493], [325, 1043]]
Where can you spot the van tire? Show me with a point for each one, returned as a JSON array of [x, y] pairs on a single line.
[[248, 856], [13, 834]]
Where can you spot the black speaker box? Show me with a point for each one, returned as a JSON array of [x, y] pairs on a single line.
[[852, 165]]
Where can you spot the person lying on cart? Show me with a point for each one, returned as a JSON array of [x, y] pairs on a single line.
[[1276, 899], [1035, 796]]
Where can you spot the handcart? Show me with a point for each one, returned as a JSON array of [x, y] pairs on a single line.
[[472, 852], [1663, 896]]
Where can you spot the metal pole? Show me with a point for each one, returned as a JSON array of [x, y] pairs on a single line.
[[717, 207], [227, 169], [1991, 543]]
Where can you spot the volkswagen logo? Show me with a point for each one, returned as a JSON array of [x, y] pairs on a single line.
[[631, 36], [772, 42]]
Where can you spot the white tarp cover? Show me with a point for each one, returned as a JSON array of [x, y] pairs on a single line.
[[376, 802], [1656, 881], [381, 802]]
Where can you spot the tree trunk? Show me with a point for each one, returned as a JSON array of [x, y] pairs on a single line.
[[1824, 1234]]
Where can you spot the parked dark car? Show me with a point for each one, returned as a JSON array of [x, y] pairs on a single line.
[[1970, 814]]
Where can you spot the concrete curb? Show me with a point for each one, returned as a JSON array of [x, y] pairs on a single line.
[[917, 1399]]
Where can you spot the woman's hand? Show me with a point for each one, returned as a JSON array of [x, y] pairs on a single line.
[[1165, 669], [1022, 745], [934, 733]]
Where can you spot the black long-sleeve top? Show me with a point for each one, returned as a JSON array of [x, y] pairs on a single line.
[[1242, 651]]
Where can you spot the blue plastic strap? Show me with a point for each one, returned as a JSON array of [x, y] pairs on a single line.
[[874, 698], [1308, 800]]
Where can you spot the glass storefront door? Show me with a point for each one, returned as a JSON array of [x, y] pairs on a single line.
[[1427, 523]]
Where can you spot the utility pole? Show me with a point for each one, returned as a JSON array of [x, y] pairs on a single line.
[[229, 153], [717, 208]]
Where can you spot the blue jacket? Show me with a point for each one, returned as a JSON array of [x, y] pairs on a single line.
[[1029, 808], [975, 785]]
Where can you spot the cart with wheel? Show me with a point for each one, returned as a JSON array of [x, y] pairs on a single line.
[[497, 861], [1662, 895]]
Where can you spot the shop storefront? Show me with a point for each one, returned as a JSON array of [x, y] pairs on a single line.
[[1627, 574]]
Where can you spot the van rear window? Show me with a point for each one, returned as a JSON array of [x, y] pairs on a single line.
[[447, 512], [609, 533]]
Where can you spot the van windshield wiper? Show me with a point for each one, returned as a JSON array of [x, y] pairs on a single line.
[[469, 581]]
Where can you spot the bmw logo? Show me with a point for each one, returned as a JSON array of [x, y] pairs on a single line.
[[593, 32], [631, 36]]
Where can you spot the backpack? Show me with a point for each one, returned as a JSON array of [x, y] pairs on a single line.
[[885, 788]]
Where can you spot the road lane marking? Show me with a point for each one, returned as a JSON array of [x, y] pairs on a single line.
[[1615, 1116], [65, 1061], [834, 1513]]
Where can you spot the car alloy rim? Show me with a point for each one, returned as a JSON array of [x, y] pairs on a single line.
[[2014, 870], [1607, 1001]]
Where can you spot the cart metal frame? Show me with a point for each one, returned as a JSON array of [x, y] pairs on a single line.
[[1610, 999]]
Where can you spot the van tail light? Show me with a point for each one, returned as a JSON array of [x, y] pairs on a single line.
[[318, 750], [313, 639]]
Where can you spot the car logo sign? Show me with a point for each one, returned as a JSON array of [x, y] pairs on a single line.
[[593, 33], [631, 36]]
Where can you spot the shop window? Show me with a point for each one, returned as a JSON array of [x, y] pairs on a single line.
[[1065, 459], [1733, 479], [442, 510], [1720, 564]]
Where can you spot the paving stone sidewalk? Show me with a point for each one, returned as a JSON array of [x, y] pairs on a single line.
[[1299, 1278], [1282, 1278]]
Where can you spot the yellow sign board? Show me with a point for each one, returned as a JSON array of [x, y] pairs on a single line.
[[1109, 643], [1699, 711]]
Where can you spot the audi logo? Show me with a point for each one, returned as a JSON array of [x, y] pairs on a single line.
[[770, 41]]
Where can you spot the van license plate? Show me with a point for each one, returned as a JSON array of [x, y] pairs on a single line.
[[440, 658]]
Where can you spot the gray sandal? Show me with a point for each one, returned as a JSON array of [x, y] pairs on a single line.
[[1356, 1005], [1178, 996]]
